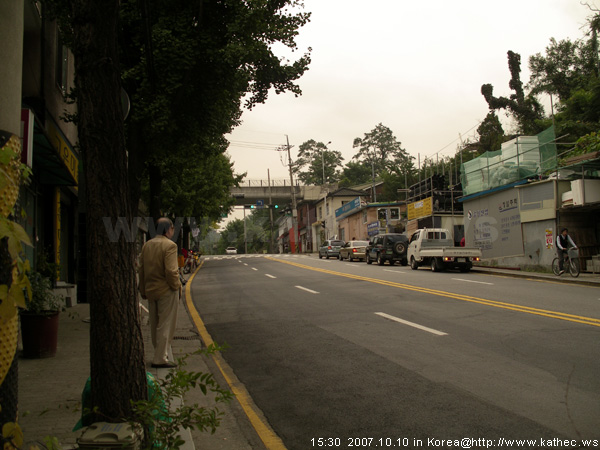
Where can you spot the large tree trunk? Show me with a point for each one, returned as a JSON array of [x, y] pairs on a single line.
[[116, 346]]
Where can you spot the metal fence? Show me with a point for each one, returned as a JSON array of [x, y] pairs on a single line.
[[265, 183]]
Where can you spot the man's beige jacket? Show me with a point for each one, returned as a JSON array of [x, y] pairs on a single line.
[[158, 270]]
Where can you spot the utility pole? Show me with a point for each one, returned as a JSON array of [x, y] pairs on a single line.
[[323, 160], [270, 212], [294, 211]]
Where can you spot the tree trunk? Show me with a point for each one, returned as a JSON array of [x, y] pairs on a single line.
[[155, 178], [116, 345]]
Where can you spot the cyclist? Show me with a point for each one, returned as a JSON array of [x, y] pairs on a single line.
[[563, 243]]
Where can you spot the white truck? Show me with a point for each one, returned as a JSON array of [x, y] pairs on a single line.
[[435, 248]]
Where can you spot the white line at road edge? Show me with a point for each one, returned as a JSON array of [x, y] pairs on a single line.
[[471, 281], [412, 324], [306, 289], [254, 268], [270, 276]]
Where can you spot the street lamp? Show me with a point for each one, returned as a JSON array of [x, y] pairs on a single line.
[[323, 159]]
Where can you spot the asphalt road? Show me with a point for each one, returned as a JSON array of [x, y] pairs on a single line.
[[344, 355]]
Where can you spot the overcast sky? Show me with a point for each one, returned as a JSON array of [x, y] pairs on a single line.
[[415, 66]]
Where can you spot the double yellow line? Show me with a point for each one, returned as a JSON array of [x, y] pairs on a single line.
[[467, 298]]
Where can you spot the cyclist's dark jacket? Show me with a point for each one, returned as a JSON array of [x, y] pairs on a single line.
[[563, 242]]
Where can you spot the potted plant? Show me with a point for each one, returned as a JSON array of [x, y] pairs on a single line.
[[39, 322]]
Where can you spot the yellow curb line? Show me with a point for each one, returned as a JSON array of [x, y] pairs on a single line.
[[264, 431]]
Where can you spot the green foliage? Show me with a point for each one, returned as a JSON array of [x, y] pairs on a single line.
[[380, 150], [187, 67], [164, 415], [202, 186], [320, 164], [525, 108], [586, 144], [258, 233], [355, 173], [566, 67], [491, 133], [42, 298]]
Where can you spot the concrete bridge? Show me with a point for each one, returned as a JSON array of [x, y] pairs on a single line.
[[275, 192]]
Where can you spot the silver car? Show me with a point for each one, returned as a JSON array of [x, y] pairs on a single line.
[[330, 248], [353, 250]]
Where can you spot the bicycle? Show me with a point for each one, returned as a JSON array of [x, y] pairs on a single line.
[[190, 263], [571, 263]]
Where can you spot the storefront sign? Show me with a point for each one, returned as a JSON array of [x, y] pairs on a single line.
[[422, 208], [65, 152], [27, 123], [347, 207]]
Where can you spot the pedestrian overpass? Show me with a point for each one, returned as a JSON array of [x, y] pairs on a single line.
[[273, 192]]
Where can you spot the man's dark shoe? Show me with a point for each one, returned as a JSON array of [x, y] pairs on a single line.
[[167, 365]]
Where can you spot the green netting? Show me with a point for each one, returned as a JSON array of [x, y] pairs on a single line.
[[548, 152], [520, 158]]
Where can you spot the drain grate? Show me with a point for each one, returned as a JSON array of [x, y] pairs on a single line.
[[186, 338]]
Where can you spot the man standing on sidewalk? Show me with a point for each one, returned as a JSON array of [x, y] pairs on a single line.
[[159, 283]]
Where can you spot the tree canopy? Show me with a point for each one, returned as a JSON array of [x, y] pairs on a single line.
[[380, 150], [317, 164], [189, 69]]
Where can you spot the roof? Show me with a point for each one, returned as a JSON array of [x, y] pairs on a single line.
[[345, 192]]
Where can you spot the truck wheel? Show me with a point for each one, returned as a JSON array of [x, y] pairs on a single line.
[[414, 265], [380, 260], [367, 259], [434, 265]]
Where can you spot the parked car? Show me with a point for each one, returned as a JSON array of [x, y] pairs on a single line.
[[389, 247], [330, 248], [231, 251], [353, 250]]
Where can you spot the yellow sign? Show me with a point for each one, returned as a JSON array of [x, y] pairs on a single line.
[[64, 152], [57, 227], [422, 208]]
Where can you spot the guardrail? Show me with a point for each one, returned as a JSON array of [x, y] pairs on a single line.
[[265, 183]]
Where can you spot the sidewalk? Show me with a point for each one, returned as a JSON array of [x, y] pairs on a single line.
[[50, 388], [584, 278]]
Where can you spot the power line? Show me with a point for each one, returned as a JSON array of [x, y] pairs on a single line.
[[253, 145]]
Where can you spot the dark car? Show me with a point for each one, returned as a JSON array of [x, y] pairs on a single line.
[[389, 247], [330, 248]]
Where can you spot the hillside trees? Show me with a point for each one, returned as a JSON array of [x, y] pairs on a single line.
[[570, 72], [355, 173], [525, 108], [317, 164], [380, 150], [491, 133], [253, 233]]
